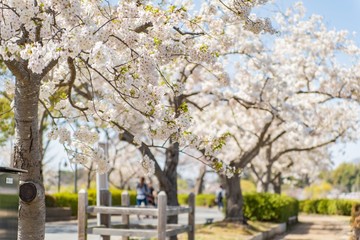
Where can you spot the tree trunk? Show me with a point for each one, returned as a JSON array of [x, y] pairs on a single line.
[[172, 160], [200, 180], [277, 184], [27, 155], [234, 200], [265, 186], [267, 181]]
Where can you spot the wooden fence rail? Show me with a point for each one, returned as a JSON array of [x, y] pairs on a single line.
[[126, 230]]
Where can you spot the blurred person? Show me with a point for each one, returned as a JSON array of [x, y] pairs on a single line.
[[219, 197], [151, 196], [142, 191]]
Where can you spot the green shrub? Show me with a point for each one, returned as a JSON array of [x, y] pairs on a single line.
[[309, 206], [207, 200], [322, 206], [202, 200], [50, 201], [247, 186], [327, 206], [183, 199], [66, 199], [344, 207], [257, 206], [116, 197], [269, 207]]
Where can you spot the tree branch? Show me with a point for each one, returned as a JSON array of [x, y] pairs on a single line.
[[277, 156], [128, 137], [71, 83]]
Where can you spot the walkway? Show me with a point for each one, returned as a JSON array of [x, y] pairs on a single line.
[[68, 230], [315, 227]]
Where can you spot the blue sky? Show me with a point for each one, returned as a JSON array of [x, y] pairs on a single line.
[[337, 14]]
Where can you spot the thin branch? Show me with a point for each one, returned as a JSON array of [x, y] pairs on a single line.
[[333, 140], [72, 79], [128, 137], [143, 28], [188, 33]]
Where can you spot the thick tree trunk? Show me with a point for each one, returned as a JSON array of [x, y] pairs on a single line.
[[265, 186], [234, 200], [277, 184], [200, 180], [27, 155], [89, 176], [172, 160], [168, 177], [267, 182]]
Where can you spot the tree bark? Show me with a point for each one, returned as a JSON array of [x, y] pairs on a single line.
[[277, 184], [89, 177], [168, 177], [267, 182], [199, 185], [27, 155], [234, 200], [172, 160]]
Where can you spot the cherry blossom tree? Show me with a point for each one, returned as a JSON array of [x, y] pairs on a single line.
[[292, 92], [105, 66], [184, 83], [83, 46], [124, 161], [269, 168]]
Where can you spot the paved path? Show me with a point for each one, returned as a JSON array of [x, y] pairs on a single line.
[[67, 230], [315, 227]]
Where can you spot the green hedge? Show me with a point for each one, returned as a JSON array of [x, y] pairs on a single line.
[[327, 206], [71, 199], [207, 200], [269, 207], [203, 200], [257, 206]]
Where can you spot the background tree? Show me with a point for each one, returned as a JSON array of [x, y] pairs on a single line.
[[185, 82], [345, 176], [300, 167], [7, 124], [109, 61], [282, 92]]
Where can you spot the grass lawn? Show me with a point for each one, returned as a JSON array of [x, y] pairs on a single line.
[[228, 231]]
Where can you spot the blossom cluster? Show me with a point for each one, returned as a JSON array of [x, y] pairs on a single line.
[[293, 93]]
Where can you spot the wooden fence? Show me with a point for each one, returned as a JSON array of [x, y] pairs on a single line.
[[162, 230]]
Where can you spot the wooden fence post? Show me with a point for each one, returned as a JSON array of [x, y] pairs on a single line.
[[105, 219], [125, 202], [191, 222], [82, 214], [162, 202]]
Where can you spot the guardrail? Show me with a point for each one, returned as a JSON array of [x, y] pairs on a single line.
[[126, 230]]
